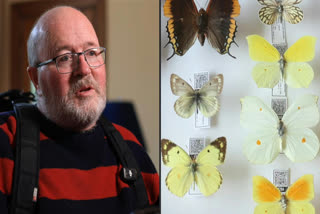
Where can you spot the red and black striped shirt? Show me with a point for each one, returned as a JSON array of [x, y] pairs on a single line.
[[79, 172]]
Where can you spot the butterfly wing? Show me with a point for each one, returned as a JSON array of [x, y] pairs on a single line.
[[302, 113], [291, 13], [263, 144], [300, 208], [267, 196], [301, 143], [181, 27], [208, 103], [299, 194], [273, 208], [302, 190], [221, 24], [269, 13], [207, 177], [298, 74], [261, 50], [266, 75], [185, 106], [180, 178], [301, 51]]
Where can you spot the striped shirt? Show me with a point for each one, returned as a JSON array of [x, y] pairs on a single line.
[[79, 172]]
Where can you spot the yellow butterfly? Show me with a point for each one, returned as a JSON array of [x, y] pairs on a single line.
[[273, 9], [267, 73], [296, 199], [186, 170], [203, 99]]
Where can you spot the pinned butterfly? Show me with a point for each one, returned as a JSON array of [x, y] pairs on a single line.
[[295, 201], [270, 135], [186, 23], [187, 170], [190, 100], [267, 73], [274, 9]]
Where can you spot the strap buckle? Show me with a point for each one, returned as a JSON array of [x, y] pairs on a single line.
[[128, 174]]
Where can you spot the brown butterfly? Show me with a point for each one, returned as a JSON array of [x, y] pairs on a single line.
[[186, 23]]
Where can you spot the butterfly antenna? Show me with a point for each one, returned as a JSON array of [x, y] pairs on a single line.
[[171, 56], [231, 55], [166, 45]]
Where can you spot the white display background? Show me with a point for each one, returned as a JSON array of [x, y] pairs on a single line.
[[235, 194]]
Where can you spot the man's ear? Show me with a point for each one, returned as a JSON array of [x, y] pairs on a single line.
[[33, 75]]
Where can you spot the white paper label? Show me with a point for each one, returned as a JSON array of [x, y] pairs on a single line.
[[196, 145], [281, 179], [199, 80]]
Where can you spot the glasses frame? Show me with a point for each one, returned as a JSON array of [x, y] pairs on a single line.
[[78, 54]]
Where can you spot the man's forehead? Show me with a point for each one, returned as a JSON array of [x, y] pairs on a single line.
[[60, 47]]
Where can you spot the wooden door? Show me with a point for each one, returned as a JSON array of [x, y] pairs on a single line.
[[23, 17]]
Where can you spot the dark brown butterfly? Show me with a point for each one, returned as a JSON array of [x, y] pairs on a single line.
[[186, 23]]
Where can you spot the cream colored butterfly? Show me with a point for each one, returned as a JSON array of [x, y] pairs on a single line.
[[273, 9], [291, 135], [267, 73], [204, 99], [295, 201], [186, 170]]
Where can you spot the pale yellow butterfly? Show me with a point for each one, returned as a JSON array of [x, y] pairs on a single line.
[[267, 73], [204, 99], [295, 201], [291, 135], [187, 170], [286, 9]]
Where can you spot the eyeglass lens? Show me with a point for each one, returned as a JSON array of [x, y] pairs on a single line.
[[67, 62]]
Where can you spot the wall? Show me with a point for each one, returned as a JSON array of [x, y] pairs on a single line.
[[133, 62], [235, 194]]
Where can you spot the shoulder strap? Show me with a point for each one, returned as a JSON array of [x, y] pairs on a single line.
[[130, 173], [27, 160]]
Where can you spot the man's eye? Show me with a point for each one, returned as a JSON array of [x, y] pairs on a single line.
[[64, 58], [91, 53]]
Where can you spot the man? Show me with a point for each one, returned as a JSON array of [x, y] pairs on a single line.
[[79, 171]]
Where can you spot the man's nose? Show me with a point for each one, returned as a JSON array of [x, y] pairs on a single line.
[[81, 67]]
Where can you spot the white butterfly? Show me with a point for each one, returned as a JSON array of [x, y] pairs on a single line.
[[190, 100], [269, 136], [269, 14]]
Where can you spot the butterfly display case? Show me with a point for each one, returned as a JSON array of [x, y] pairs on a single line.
[[235, 194]]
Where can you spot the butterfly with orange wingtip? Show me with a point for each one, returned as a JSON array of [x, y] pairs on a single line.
[[295, 201]]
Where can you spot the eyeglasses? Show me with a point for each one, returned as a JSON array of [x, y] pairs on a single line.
[[68, 62]]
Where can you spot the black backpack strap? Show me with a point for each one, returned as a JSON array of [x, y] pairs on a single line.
[[130, 173], [27, 160]]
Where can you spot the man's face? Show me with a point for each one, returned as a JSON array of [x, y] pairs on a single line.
[[79, 97]]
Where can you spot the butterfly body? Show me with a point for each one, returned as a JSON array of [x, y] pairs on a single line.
[[291, 135], [192, 100], [187, 170], [186, 23], [294, 201]]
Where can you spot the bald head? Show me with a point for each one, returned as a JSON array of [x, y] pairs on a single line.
[[56, 22]]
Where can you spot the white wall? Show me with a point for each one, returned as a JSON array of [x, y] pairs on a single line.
[[133, 62], [235, 194]]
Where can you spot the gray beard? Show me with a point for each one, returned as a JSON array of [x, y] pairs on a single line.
[[72, 112]]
